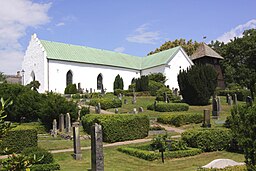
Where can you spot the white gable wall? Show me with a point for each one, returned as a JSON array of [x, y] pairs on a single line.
[[35, 61], [86, 75]]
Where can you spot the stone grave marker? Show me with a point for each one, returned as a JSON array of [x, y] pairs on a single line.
[[54, 128], [141, 109], [235, 99], [61, 123], [116, 110], [97, 157], [230, 101], [134, 97], [68, 123], [249, 100], [135, 111], [76, 141], [207, 118], [165, 97], [215, 112], [219, 104]]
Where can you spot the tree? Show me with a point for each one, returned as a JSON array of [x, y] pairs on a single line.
[[141, 84], [2, 77], [157, 77], [33, 85], [197, 84], [243, 124], [188, 46], [118, 83]]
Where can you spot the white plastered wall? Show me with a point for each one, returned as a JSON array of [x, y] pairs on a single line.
[[86, 75], [35, 61]]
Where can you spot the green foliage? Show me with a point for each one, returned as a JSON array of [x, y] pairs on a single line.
[[189, 46], [84, 111], [230, 168], [17, 140], [197, 84], [118, 83], [52, 105], [2, 77], [39, 153], [71, 89], [241, 93], [106, 103], [118, 127], [180, 119], [157, 77], [141, 84], [243, 123], [169, 107], [4, 126], [159, 142], [33, 85], [45, 167], [154, 86], [208, 139], [160, 94]]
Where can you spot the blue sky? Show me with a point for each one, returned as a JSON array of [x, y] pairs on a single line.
[[134, 27]]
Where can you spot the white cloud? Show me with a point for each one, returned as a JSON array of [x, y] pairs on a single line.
[[237, 31], [142, 35], [60, 24], [119, 49], [15, 17]]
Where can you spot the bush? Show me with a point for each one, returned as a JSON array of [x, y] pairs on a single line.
[[46, 156], [240, 93], [154, 86], [118, 83], [180, 119], [230, 168], [84, 111], [71, 89], [197, 84], [208, 139], [45, 167], [141, 84], [169, 107], [160, 94], [16, 141], [118, 127], [106, 103]]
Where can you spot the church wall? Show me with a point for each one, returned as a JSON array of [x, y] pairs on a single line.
[[35, 61], [86, 75]]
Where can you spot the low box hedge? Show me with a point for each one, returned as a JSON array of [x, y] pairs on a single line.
[[118, 127], [169, 107], [208, 139], [153, 155], [17, 140], [45, 167], [106, 103], [180, 119]]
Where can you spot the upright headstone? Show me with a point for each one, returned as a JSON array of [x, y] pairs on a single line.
[[116, 110], [219, 105], [165, 97], [99, 108], [61, 123], [249, 101], [68, 123], [97, 157], [176, 92], [207, 118], [215, 112], [90, 90], [235, 99], [125, 101], [134, 111], [155, 105], [134, 97], [230, 101], [79, 112], [120, 96], [76, 141], [54, 128], [141, 109]]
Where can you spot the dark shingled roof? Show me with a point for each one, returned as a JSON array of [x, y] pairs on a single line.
[[205, 51]]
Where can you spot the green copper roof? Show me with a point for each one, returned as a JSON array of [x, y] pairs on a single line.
[[83, 54]]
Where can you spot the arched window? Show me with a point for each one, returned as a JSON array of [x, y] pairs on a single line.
[[99, 82], [32, 76], [69, 78]]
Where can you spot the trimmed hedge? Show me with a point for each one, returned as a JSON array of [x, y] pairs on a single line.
[[45, 167], [118, 127], [17, 140], [180, 119], [169, 107], [241, 94], [106, 103], [208, 139], [151, 155], [39, 153]]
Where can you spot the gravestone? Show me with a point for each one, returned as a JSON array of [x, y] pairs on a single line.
[[135, 111], [79, 112], [76, 141], [249, 101], [120, 96], [134, 97], [54, 128], [235, 99], [68, 123], [215, 112], [230, 101], [155, 105], [125, 101], [97, 157], [61, 123], [165, 97], [219, 104], [116, 110], [91, 90], [227, 96], [141, 109], [99, 108], [207, 118]]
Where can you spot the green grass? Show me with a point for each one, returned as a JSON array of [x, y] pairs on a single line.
[[117, 161]]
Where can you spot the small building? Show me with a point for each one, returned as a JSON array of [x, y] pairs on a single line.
[[207, 56], [14, 79], [55, 65]]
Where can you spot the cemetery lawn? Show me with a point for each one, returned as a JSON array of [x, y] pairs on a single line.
[[117, 161]]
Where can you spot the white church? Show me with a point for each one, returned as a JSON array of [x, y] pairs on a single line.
[[55, 65]]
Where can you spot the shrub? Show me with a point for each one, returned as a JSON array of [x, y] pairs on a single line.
[[46, 156], [71, 89], [118, 127], [197, 84], [45, 167], [208, 139], [230, 168], [106, 103], [84, 111], [141, 84], [153, 86], [118, 83], [180, 119], [17, 140], [241, 93], [169, 107], [157, 77], [160, 94]]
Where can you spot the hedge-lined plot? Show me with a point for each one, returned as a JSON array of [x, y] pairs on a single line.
[[118, 127], [180, 119], [169, 107]]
